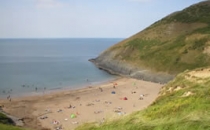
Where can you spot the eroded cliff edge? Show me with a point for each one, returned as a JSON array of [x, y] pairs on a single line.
[[107, 63]]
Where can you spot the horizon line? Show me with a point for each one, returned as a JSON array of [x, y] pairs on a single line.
[[70, 38]]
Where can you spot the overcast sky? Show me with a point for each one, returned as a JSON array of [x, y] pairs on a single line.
[[82, 18]]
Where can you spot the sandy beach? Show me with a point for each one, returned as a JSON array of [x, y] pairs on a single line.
[[68, 109]]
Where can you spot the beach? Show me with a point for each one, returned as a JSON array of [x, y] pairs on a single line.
[[71, 108]]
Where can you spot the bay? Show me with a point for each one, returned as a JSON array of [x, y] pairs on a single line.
[[30, 66]]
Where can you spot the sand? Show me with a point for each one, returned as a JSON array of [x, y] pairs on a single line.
[[68, 109]]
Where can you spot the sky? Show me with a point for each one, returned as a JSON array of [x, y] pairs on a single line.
[[82, 18]]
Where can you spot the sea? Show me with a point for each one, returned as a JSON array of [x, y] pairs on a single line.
[[39, 66]]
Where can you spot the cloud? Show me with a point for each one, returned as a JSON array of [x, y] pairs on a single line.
[[48, 3]]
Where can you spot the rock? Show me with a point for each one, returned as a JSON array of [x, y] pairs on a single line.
[[17, 121], [124, 69]]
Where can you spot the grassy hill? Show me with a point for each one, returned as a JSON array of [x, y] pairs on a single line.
[[183, 104], [173, 44]]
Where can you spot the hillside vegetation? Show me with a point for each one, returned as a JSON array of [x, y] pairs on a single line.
[[173, 44], [9, 127], [7, 124], [183, 104]]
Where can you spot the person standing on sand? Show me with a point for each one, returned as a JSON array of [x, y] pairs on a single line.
[[101, 89], [70, 106]]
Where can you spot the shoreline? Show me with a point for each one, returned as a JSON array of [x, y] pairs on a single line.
[[91, 103], [58, 89]]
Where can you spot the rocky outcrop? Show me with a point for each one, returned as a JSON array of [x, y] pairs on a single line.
[[12, 119], [106, 62]]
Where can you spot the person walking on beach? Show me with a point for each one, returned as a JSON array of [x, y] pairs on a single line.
[[9, 98]]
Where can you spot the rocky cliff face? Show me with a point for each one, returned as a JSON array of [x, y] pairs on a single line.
[[106, 62]]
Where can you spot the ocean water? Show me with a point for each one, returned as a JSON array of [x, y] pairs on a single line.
[[31, 66]]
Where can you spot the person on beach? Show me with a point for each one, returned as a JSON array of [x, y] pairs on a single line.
[[141, 97], [8, 97], [44, 90], [100, 89], [70, 106]]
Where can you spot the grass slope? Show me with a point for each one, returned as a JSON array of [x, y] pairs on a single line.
[[183, 104], [9, 127], [177, 42], [7, 124], [5, 120]]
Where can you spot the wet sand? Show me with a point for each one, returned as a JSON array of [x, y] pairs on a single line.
[[70, 108]]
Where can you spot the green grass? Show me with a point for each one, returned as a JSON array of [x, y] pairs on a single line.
[[170, 56], [171, 111], [205, 30], [195, 13], [9, 127], [5, 120], [7, 124]]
